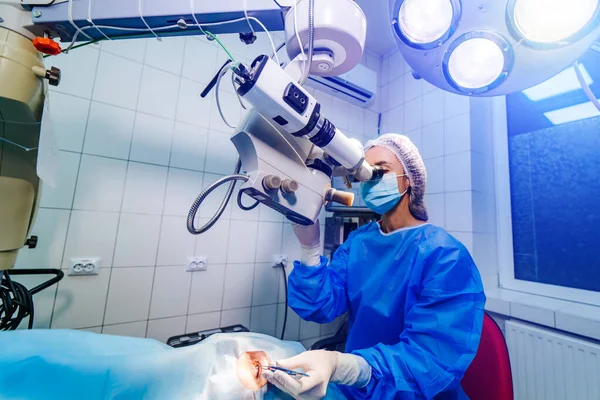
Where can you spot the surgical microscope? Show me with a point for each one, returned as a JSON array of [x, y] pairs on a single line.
[[288, 150]]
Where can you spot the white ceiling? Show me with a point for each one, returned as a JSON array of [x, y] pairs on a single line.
[[379, 33]]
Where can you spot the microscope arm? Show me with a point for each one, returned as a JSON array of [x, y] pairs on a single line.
[[165, 18]]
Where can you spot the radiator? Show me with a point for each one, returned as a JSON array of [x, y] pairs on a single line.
[[548, 365]]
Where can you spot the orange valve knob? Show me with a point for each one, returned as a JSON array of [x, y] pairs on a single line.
[[47, 46]]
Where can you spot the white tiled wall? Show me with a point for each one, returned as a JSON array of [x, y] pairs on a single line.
[[137, 145]]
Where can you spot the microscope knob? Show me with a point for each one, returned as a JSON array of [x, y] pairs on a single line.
[[271, 182], [289, 186], [32, 242], [53, 76], [248, 38]]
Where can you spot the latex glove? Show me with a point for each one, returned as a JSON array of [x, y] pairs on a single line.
[[310, 240], [322, 367], [308, 236]]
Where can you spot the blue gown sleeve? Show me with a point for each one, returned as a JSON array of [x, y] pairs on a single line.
[[318, 294], [441, 331]]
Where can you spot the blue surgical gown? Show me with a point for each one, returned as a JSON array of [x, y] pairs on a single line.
[[415, 302]]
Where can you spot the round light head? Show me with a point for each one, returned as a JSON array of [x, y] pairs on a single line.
[[426, 23], [477, 62], [552, 21]]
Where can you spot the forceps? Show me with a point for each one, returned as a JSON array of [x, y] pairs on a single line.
[[285, 370]]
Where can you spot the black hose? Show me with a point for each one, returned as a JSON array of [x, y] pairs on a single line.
[[16, 304], [285, 315], [243, 207], [16, 301], [214, 80], [40, 271]]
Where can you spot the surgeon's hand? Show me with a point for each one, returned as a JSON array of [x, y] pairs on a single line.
[[308, 236], [322, 367], [310, 240]]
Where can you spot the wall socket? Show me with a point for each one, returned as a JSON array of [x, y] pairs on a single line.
[[84, 266], [197, 264], [280, 259]]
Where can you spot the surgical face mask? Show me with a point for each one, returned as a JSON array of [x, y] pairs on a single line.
[[381, 195]]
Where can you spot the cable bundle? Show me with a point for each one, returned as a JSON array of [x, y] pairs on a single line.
[[16, 304]]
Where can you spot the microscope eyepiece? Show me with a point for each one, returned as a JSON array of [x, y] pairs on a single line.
[[377, 173]]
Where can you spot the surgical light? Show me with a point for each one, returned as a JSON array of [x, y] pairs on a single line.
[[552, 21], [477, 62], [572, 113], [425, 21], [564, 82], [529, 41]]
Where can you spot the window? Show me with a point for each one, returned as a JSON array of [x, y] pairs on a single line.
[[553, 145]]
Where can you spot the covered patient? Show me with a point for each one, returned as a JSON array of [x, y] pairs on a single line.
[[63, 364]]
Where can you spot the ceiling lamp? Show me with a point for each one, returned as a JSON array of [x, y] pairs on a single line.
[[426, 23], [491, 48], [477, 62], [550, 22]]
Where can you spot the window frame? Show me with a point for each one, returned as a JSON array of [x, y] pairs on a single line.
[[506, 268]]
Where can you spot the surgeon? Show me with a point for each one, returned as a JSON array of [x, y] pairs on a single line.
[[412, 292]]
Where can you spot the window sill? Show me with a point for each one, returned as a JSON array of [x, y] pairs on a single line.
[[580, 319]]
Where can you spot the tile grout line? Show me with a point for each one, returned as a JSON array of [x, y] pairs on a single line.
[[114, 249], [444, 133], [254, 269], [225, 272], [176, 106], [75, 188], [176, 316], [119, 215], [204, 186], [138, 162], [158, 252]]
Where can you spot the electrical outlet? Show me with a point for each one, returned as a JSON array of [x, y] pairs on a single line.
[[280, 259], [197, 264], [84, 266]]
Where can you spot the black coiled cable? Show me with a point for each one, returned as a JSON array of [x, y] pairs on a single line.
[[16, 301], [16, 304]]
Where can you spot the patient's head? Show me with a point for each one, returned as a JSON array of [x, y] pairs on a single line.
[[237, 369], [249, 369], [235, 363]]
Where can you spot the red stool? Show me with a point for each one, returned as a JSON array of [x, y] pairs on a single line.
[[489, 376]]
